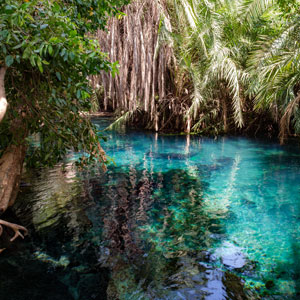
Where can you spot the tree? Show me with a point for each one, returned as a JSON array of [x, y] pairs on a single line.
[[141, 92], [46, 55], [214, 42], [206, 66], [274, 68]]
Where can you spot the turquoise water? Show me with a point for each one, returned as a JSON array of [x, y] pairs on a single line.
[[175, 217]]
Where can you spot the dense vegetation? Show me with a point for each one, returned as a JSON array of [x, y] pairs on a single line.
[[46, 56], [201, 66], [209, 67]]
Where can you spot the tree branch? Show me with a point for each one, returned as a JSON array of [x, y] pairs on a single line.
[[15, 227], [3, 101]]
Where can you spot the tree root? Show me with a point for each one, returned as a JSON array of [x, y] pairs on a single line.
[[15, 227]]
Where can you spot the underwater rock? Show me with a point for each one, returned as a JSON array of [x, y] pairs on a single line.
[[44, 257], [214, 288], [269, 284], [174, 156], [207, 168], [248, 203], [249, 269], [235, 288], [224, 160], [210, 284], [204, 256], [231, 256], [234, 260], [225, 285]]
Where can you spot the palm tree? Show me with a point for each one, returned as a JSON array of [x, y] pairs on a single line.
[[275, 73], [206, 66], [215, 39]]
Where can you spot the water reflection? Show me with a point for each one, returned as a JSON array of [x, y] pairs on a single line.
[[53, 198], [177, 217]]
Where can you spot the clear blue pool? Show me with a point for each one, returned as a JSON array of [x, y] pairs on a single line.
[[175, 217]]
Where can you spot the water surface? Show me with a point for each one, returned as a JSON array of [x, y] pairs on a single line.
[[175, 217]]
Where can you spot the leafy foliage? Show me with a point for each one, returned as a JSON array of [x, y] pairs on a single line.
[[242, 51], [206, 66], [275, 76], [48, 49]]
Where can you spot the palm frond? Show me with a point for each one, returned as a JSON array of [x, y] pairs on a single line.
[[121, 121], [253, 9], [290, 110]]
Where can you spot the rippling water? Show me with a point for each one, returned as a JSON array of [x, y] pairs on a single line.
[[175, 217]]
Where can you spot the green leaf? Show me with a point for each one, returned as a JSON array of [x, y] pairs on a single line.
[[54, 40], [26, 53], [41, 49], [43, 26], [63, 51], [56, 8], [18, 46], [66, 56], [32, 60], [50, 49], [40, 66], [4, 50], [85, 95], [8, 7], [9, 60], [58, 76], [73, 33]]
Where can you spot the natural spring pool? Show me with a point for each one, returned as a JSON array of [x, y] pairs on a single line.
[[176, 217]]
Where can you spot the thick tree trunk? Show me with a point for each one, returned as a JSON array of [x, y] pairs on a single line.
[[11, 164], [3, 102]]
